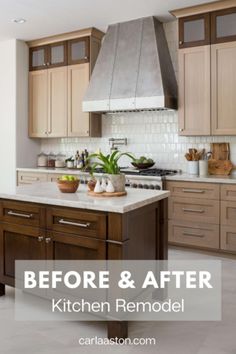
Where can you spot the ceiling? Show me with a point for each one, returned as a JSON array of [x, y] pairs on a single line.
[[49, 17]]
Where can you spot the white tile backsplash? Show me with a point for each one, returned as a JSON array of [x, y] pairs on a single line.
[[149, 133]]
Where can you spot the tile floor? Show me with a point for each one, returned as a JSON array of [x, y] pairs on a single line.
[[172, 337]]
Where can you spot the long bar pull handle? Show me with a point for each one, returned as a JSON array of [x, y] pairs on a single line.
[[193, 190], [193, 210], [64, 222], [26, 216], [192, 234]]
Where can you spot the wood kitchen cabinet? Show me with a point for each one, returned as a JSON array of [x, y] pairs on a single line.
[[207, 74], [194, 91], [56, 93], [48, 56], [223, 88], [194, 30], [48, 103]]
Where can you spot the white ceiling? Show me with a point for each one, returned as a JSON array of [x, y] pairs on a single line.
[[49, 17]]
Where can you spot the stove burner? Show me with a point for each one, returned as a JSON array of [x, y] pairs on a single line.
[[157, 172]]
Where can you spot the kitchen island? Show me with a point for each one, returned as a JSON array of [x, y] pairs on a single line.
[[38, 222]]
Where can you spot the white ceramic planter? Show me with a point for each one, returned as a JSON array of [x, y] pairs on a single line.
[[118, 182], [193, 167]]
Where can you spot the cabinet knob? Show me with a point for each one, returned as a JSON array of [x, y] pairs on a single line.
[[48, 64], [48, 239], [85, 58], [181, 42], [44, 64], [181, 130], [40, 238]]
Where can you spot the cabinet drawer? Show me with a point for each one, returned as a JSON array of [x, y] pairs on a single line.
[[228, 192], [228, 213], [30, 178], [22, 213], [198, 210], [76, 221], [194, 234], [228, 238], [194, 190]]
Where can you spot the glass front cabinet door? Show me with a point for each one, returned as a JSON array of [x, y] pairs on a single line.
[[223, 26], [57, 54], [38, 58], [78, 51], [194, 30]]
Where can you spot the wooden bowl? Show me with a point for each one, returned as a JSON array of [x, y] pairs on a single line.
[[143, 166], [68, 186]]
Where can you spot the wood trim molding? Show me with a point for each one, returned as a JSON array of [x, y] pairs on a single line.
[[199, 9], [94, 32]]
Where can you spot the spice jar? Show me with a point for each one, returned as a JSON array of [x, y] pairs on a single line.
[[60, 161]]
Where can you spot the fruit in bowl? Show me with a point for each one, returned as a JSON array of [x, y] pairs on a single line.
[[143, 162], [68, 184]]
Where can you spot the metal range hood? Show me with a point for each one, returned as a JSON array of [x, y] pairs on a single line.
[[133, 71]]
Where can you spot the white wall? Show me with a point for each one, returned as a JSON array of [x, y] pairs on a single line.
[[7, 115], [27, 148], [15, 147], [152, 133]]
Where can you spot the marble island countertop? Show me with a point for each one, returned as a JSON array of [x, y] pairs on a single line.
[[48, 193]]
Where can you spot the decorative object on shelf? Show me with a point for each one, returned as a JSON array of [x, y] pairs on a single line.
[[110, 188], [68, 184], [109, 165], [98, 188]]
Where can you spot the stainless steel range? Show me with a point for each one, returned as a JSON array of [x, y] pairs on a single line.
[[152, 178]]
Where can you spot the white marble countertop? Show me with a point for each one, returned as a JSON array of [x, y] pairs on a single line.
[[206, 179], [48, 193]]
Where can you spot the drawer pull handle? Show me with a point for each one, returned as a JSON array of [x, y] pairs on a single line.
[[64, 222], [193, 190], [192, 234], [47, 239], [40, 238], [194, 210], [26, 216]]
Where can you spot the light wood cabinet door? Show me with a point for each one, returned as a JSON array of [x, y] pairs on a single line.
[[194, 91], [223, 72], [38, 104], [57, 102], [78, 121]]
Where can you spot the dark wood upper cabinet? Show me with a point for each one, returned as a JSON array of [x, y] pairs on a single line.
[[78, 51], [57, 54], [194, 30], [223, 26], [38, 58]]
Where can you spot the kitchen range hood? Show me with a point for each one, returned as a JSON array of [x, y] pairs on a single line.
[[133, 71]]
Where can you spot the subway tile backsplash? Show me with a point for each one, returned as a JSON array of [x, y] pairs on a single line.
[[149, 133], [154, 134]]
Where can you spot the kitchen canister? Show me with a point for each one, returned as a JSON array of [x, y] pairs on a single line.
[[193, 167], [203, 167]]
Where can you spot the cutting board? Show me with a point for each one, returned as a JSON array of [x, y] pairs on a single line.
[[106, 194], [220, 151], [219, 167]]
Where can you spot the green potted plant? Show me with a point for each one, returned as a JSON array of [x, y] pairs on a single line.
[[109, 165]]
